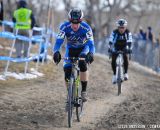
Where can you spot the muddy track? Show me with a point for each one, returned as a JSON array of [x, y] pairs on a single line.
[[39, 104]]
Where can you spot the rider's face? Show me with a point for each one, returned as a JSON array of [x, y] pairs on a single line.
[[75, 27], [121, 29]]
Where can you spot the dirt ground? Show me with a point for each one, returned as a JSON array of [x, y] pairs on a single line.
[[39, 104]]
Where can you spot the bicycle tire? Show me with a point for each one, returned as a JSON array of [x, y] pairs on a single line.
[[79, 109], [119, 82], [70, 103]]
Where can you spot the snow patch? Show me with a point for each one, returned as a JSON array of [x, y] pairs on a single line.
[[35, 72], [2, 77], [49, 57], [21, 76]]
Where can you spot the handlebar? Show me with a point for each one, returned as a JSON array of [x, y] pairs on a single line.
[[120, 52], [73, 58]]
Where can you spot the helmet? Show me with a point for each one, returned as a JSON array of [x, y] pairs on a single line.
[[121, 23], [22, 3], [75, 15]]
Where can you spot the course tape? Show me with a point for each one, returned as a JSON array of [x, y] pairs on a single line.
[[20, 60], [9, 35]]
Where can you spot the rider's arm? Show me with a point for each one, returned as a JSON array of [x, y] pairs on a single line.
[[90, 41], [60, 39], [129, 40], [111, 38]]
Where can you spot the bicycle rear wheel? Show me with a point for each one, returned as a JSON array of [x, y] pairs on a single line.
[[70, 103]]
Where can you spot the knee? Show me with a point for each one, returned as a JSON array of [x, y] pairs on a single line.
[[67, 72], [83, 66]]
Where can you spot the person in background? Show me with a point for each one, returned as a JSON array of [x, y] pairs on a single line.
[[149, 34], [141, 34], [24, 21], [1, 14], [158, 41]]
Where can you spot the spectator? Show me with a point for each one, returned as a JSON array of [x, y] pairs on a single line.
[[24, 21], [1, 13], [150, 34], [141, 34], [158, 43]]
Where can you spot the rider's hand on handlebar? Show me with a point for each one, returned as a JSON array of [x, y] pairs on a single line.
[[57, 57], [128, 51], [89, 58]]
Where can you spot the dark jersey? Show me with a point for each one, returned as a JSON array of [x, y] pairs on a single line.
[[119, 41]]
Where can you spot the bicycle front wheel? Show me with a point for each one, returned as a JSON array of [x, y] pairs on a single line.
[[119, 81], [79, 109], [79, 104], [70, 102]]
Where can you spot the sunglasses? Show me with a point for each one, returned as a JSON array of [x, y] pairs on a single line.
[[121, 27]]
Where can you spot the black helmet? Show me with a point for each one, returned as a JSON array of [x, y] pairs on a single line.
[[75, 15], [22, 3], [121, 23]]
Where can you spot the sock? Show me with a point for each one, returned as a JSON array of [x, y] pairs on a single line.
[[84, 86]]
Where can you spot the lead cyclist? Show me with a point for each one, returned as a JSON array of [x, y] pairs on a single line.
[[80, 43]]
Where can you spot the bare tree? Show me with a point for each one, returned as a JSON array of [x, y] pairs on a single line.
[[67, 5]]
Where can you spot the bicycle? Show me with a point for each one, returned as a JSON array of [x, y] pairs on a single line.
[[74, 92], [120, 69]]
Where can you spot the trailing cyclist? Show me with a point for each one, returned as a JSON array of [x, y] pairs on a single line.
[[80, 43], [120, 40]]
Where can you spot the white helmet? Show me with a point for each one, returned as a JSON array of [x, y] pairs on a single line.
[[121, 23]]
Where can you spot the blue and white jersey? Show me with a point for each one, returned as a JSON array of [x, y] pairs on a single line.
[[83, 37]]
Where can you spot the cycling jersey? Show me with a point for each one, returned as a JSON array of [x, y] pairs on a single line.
[[119, 41], [82, 38]]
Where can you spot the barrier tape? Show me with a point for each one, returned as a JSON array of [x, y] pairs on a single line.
[[20, 60], [9, 35]]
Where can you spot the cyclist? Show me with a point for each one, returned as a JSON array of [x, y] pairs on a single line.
[[120, 40], [80, 43]]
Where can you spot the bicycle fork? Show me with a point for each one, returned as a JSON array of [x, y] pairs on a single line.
[[77, 91]]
